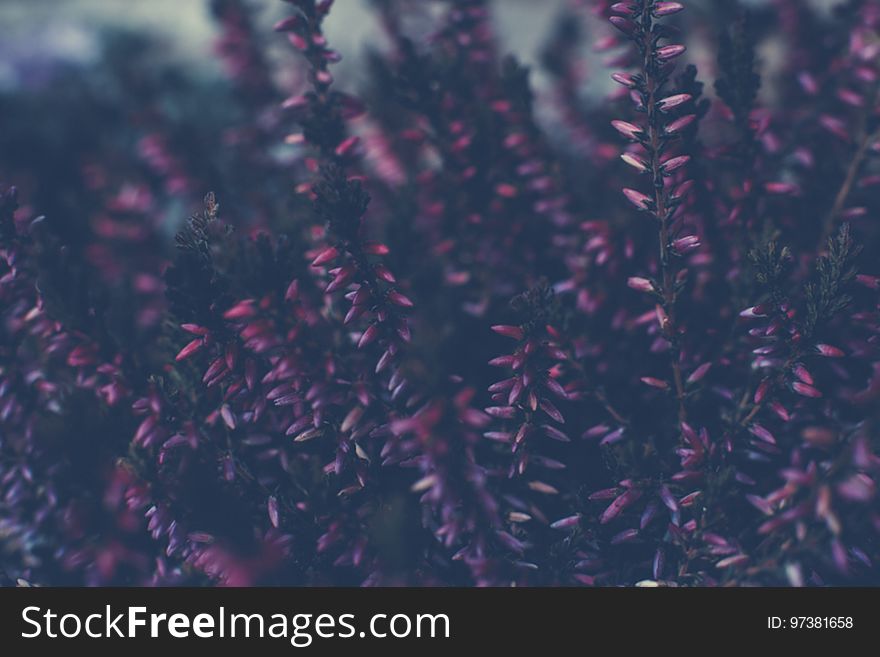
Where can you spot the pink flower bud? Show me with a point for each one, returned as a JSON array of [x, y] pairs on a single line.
[[398, 299], [505, 190], [667, 8], [272, 508], [622, 8], [670, 52], [699, 373], [683, 189], [762, 433], [375, 248], [625, 79], [228, 417], [625, 26], [325, 256], [195, 329], [680, 123], [872, 282], [829, 351], [754, 311], [190, 349], [803, 374], [640, 284], [286, 24], [674, 163], [781, 188], [851, 97], [628, 130], [634, 161], [805, 390], [241, 310], [514, 332], [368, 336], [669, 102], [762, 390], [641, 201], [347, 146], [835, 126], [685, 244], [655, 383], [565, 523], [808, 83]]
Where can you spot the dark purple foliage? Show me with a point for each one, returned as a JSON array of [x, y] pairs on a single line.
[[434, 338]]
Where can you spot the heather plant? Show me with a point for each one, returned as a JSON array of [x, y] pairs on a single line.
[[609, 319]]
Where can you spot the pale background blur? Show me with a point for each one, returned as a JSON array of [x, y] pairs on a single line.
[[37, 32]]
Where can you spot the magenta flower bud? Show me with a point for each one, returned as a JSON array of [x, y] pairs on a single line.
[[622, 8], [502, 412], [625, 79], [347, 146], [780, 410], [398, 299], [670, 52], [805, 390], [640, 284], [552, 411], [292, 293], [619, 504], [635, 162], [761, 391], [667, 8], [835, 126], [754, 311], [735, 560], [565, 523], [872, 282], [803, 374], [195, 329], [685, 244], [514, 332], [375, 248], [851, 97], [385, 274], [829, 351], [762, 433], [506, 190], [683, 189], [622, 24], [669, 102], [808, 83], [286, 24], [699, 373], [325, 256], [241, 310], [625, 536], [272, 508], [228, 417], [641, 201], [654, 382], [690, 498], [628, 130], [680, 124], [674, 163], [368, 336], [782, 188], [189, 349]]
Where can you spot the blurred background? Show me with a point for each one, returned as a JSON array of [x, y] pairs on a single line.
[[82, 80], [38, 32]]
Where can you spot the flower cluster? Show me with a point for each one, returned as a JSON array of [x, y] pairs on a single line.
[[468, 324]]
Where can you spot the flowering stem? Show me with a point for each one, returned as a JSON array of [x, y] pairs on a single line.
[[668, 292], [852, 173]]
